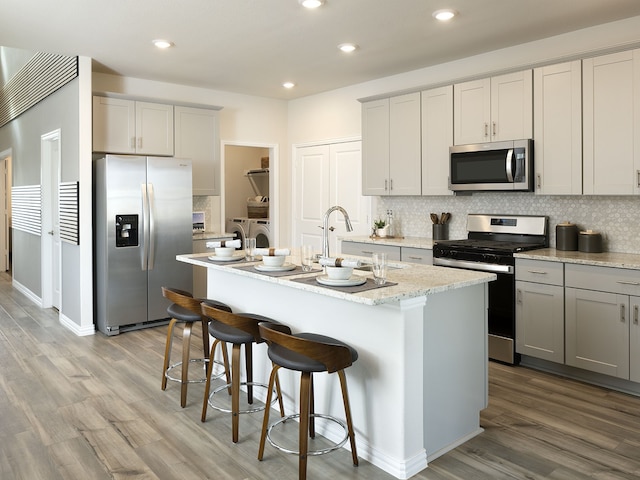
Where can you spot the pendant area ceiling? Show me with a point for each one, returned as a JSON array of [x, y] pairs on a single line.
[[253, 46]]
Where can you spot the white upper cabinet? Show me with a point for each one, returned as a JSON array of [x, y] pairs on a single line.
[[557, 117], [437, 137], [197, 138], [611, 103], [494, 109], [128, 126], [391, 146]]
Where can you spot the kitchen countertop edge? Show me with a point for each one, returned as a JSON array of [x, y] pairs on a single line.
[[605, 259], [413, 242], [412, 280]]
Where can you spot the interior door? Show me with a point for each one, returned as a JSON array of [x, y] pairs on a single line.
[[311, 194]]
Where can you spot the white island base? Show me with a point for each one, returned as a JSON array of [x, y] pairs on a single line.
[[420, 381]]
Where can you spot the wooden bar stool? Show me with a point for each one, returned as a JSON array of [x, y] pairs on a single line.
[[307, 353], [187, 309], [237, 329]]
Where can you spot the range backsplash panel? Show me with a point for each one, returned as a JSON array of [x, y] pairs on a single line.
[[616, 217]]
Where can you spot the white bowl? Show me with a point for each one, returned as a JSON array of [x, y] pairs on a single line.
[[224, 251], [339, 273], [274, 260]]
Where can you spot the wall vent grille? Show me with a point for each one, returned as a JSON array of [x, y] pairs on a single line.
[[42, 75], [26, 209], [69, 223]]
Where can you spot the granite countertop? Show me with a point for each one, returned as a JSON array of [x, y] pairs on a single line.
[[412, 280], [212, 235], [413, 242], [604, 259]]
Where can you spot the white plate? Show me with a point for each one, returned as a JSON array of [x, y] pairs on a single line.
[[353, 281], [232, 258], [267, 268]]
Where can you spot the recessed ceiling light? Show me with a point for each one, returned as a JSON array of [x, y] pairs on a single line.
[[347, 47], [311, 3], [444, 15], [288, 84], [162, 43]]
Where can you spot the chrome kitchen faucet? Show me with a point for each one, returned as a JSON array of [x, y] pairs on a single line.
[[325, 227]]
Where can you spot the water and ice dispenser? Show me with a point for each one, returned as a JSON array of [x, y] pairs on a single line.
[[127, 231]]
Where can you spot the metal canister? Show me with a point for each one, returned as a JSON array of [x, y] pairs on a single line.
[[590, 241], [567, 236]]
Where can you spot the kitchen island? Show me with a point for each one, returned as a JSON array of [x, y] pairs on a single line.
[[420, 381]]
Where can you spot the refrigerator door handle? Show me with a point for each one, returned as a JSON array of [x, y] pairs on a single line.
[[145, 227], [152, 229]]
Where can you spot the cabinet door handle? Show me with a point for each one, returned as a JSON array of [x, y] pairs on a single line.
[[385, 185], [622, 314], [635, 314], [627, 282], [391, 184], [638, 178], [539, 180], [519, 296], [537, 272], [494, 129], [133, 142], [486, 129]]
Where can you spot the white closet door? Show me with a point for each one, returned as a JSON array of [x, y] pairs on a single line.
[[327, 175]]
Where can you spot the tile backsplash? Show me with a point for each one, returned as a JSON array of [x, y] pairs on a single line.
[[616, 217]]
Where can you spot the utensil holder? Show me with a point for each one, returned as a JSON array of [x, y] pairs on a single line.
[[440, 231]]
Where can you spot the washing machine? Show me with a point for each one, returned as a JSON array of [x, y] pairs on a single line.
[[239, 227], [260, 228]]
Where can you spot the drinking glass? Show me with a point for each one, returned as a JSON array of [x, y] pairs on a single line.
[[249, 249], [379, 268], [306, 257]]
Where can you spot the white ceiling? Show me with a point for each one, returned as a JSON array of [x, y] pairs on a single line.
[[252, 46]]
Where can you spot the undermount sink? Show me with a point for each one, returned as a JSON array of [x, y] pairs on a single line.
[[367, 267]]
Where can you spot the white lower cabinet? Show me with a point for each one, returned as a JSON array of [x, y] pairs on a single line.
[[601, 320], [423, 256], [634, 340], [364, 249], [540, 309]]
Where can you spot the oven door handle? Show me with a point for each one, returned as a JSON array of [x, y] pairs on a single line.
[[483, 267]]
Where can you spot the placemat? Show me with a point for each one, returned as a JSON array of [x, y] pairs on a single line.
[[369, 285], [296, 271]]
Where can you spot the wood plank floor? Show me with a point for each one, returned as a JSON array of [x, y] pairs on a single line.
[[92, 408]]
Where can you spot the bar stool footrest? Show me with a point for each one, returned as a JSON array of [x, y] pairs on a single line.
[[258, 408], [205, 361], [334, 446]]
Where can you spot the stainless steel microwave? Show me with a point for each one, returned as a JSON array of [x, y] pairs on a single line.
[[494, 166]]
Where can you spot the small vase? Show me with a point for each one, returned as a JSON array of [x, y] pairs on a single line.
[[382, 232]]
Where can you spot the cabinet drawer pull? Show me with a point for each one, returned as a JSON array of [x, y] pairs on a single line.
[[537, 272], [622, 314], [627, 282], [368, 252], [635, 314], [415, 258]]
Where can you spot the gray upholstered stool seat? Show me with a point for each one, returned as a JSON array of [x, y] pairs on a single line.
[[186, 310], [307, 353], [237, 329], [296, 361]]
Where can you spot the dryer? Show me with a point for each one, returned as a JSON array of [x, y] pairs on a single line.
[[260, 228], [239, 227]]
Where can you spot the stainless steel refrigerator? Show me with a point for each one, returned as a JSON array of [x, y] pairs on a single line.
[[142, 220]]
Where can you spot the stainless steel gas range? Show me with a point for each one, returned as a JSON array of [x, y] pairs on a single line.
[[490, 245]]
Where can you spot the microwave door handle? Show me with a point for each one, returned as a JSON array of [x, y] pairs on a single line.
[[510, 165]]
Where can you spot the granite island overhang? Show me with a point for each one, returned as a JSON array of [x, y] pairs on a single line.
[[421, 378]]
